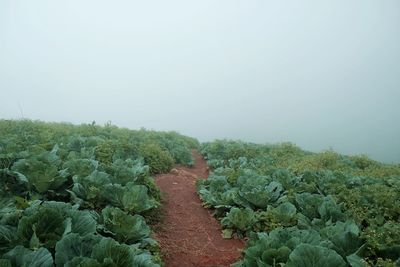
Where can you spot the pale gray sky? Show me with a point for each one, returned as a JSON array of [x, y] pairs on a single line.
[[318, 73]]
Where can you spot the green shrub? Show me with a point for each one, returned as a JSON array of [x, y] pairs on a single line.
[[159, 160]]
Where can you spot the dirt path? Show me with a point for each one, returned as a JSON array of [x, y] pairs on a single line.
[[189, 235]]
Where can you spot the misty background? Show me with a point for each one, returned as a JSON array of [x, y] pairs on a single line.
[[321, 74]]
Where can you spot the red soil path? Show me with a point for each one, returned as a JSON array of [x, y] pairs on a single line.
[[188, 234]]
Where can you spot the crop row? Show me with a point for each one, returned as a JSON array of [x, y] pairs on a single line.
[[304, 209], [82, 195]]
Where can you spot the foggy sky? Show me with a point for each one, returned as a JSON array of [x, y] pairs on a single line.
[[321, 74]]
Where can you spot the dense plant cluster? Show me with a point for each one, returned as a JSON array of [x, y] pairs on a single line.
[[81, 195], [304, 209]]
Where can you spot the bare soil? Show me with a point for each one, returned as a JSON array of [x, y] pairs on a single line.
[[188, 234]]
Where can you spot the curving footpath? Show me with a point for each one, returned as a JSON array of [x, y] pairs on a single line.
[[189, 235]]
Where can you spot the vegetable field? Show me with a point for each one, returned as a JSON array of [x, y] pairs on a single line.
[[82, 195], [304, 209]]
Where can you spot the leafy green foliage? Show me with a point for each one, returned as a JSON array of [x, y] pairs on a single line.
[[21, 256], [308, 209], [72, 195], [158, 159], [41, 171], [46, 223], [74, 246], [241, 219], [126, 228], [306, 255]]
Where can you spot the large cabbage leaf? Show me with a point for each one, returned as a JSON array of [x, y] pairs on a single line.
[[217, 192], [284, 214], [126, 228], [329, 210], [131, 197], [73, 245], [44, 227], [344, 237], [273, 248], [43, 224], [110, 252], [21, 256], [136, 198], [308, 204], [125, 171], [89, 187], [42, 171], [7, 237], [95, 251], [306, 255], [80, 166], [112, 194], [83, 222], [259, 191], [241, 219]]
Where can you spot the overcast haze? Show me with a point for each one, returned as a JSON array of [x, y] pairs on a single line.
[[321, 74]]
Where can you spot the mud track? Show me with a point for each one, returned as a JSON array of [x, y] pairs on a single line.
[[188, 234]]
